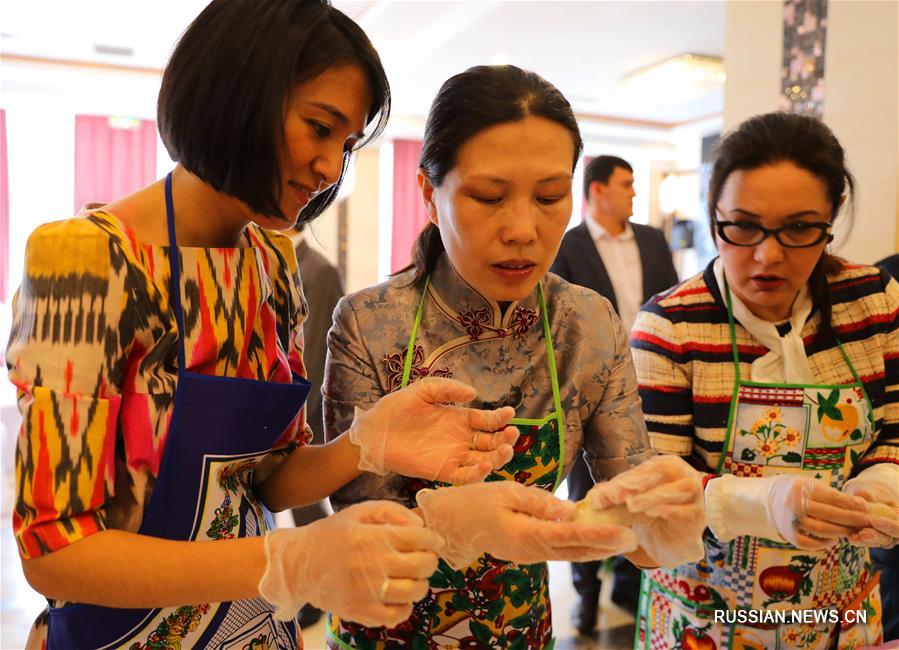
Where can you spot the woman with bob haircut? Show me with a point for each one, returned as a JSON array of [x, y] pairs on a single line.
[[776, 372], [478, 304], [157, 350]]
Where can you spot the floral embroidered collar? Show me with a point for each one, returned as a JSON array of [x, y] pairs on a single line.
[[476, 313]]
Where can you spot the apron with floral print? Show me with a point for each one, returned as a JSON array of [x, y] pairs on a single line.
[[491, 603], [814, 430], [221, 427]]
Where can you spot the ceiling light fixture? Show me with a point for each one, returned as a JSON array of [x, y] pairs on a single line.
[[678, 79]]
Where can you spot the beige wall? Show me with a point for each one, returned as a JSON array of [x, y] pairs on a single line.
[[860, 103], [362, 238], [752, 58]]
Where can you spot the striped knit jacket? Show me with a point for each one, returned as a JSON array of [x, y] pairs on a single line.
[[685, 367]]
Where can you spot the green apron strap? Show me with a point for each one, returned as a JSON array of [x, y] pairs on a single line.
[[733, 328], [848, 362], [559, 415], [554, 380], [858, 380], [733, 340], [407, 364], [732, 411]]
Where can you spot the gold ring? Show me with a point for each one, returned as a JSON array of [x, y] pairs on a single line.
[[385, 585]]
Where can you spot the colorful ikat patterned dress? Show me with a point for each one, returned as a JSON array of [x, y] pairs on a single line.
[[94, 354], [505, 356]]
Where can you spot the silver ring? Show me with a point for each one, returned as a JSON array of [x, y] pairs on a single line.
[[474, 439], [382, 593]]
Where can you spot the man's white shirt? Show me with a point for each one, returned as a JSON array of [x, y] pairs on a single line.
[[621, 257]]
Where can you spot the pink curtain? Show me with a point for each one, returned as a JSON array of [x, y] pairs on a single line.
[[112, 157], [409, 215], [4, 211]]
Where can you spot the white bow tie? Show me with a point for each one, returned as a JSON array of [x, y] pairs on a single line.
[[786, 360]]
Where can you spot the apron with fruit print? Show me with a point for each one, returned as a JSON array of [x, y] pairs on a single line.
[[491, 603], [814, 430]]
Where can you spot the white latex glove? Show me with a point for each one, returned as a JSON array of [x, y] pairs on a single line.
[[791, 508], [878, 484], [367, 563], [812, 515], [417, 433], [665, 494], [738, 505], [516, 523]]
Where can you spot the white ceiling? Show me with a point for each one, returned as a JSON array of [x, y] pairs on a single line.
[[585, 48]]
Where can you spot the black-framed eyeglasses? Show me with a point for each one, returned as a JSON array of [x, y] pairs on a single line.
[[800, 234]]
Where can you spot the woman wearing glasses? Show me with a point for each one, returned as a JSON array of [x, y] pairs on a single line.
[[776, 372]]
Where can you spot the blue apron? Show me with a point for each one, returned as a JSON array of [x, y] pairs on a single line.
[[220, 428]]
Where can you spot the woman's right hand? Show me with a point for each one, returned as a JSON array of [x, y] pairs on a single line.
[[516, 523], [812, 515], [418, 432], [367, 563]]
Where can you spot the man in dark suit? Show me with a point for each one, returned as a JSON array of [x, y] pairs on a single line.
[[627, 263]]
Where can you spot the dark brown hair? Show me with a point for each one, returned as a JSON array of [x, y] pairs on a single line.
[[466, 104], [807, 143], [221, 104], [600, 169]]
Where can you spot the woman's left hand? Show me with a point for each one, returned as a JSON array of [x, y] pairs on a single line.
[[419, 432], [666, 495]]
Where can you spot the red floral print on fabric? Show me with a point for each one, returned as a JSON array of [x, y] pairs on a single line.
[[522, 320], [393, 364], [475, 322]]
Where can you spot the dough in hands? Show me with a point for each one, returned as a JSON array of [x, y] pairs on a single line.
[[877, 510], [616, 515]]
